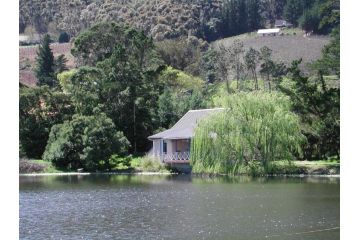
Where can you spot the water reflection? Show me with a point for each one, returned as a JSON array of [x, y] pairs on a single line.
[[177, 207]]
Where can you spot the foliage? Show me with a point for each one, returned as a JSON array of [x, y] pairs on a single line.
[[240, 16], [40, 108], [318, 106], [271, 70], [85, 142], [64, 37], [256, 128], [176, 79], [329, 63], [163, 19], [45, 67], [310, 20], [251, 60], [60, 64], [172, 105], [148, 164], [84, 86], [129, 66], [182, 53], [26, 166], [119, 163], [293, 10], [209, 66]]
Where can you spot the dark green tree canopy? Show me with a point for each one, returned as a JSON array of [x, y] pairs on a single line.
[[85, 142], [40, 108], [45, 65]]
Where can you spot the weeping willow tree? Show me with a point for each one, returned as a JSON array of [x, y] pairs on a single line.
[[256, 127]]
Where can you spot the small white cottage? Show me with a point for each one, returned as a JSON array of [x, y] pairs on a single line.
[[174, 144], [269, 32]]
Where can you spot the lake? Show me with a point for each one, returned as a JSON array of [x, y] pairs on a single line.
[[179, 207]]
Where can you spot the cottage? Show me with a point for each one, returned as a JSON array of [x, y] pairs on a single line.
[[282, 24], [268, 32], [173, 145]]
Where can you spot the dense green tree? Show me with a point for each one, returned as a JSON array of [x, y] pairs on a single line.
[[45, 65], [208, 66], [64, 37], [39, 109], [84, 88], [85, 142], [173, 104], [310, 19], [235, 17], [254, 18], [318, 106], [330, 16], [329, 63], [130, 66], [293, 10]]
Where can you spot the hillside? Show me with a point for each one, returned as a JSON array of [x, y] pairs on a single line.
[[27, 61], [158, 18], [285, 48]]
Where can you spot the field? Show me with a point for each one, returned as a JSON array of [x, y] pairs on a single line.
[[27, 60], [285, 48]]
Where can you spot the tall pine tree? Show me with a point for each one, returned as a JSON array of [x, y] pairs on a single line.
[[45, 66]]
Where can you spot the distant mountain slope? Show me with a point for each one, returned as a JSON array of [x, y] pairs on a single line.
[[158, 18]]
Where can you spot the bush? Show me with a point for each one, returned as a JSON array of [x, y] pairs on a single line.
[[118, 162], [64, 37], [40, 108], [26, 166], [148, 164], [85, 142]]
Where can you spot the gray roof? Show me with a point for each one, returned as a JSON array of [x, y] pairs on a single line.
[[184, 128]]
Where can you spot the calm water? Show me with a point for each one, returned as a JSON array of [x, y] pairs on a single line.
[[178, 207]]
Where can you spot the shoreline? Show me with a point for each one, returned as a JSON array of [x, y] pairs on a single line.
[[169, 173], [94, 173]]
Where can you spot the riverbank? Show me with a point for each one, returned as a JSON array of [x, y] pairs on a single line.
[[278, 168]]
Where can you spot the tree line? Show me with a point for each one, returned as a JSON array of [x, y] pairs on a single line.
[[125, 89]]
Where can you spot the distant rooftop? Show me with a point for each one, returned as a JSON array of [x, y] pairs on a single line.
[[184, 128]]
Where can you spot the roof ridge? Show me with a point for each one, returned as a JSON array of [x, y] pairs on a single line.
[[205, 109]]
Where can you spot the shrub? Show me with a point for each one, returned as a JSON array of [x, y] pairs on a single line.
[[64, 37], [119, 162], [148, 164], [40, 108], [85, 142], [26, 166]]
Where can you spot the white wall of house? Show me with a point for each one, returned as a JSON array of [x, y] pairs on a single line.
[[156, 150], [170, 148]]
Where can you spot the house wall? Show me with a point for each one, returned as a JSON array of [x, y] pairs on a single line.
[[156, 150], [170, 148]]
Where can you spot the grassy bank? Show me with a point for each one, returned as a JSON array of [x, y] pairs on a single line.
[[137, 164], [143, 164]]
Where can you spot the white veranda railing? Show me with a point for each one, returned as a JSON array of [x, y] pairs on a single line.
[[177, 156]]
